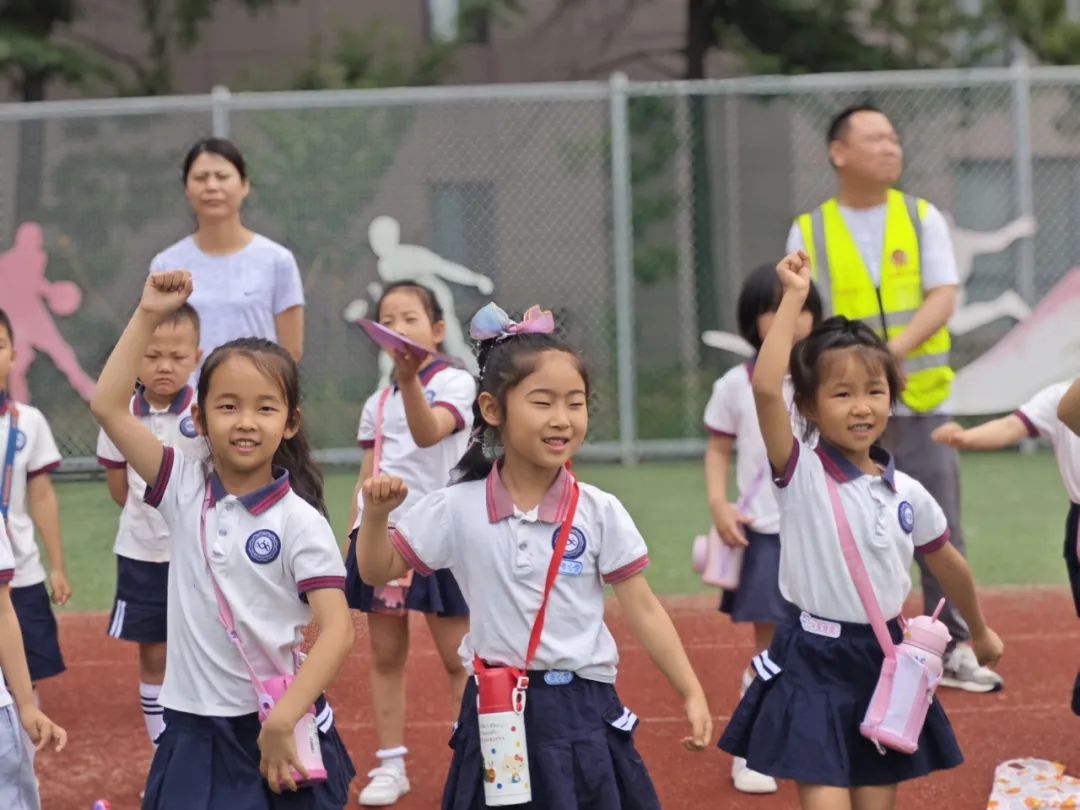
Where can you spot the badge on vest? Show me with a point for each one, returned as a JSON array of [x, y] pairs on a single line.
[[187, 427], [906, 515], [899, 258], [263, 547]]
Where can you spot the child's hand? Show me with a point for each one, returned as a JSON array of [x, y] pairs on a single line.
[[41, 729], [58, 584], [165, 292], [951, 434], [794, 272], [383, 494], [729, 522], [988, 647], [697, 712], [407, 365], [278, 754]]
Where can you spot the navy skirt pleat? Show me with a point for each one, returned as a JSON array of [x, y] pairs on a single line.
[[438, 593], [758, 597], [578, 758], [802, 723], [212, 763]]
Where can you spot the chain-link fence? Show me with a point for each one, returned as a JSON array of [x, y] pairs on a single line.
[[633, 210]]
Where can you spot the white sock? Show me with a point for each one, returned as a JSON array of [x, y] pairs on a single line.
[[393, 758], [153, 713]]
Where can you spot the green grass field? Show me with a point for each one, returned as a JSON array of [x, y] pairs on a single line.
[[1014, 513]]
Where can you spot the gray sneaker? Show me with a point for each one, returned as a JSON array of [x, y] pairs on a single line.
[[962, 671]]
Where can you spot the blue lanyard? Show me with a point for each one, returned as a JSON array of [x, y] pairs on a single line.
[[8, 474]]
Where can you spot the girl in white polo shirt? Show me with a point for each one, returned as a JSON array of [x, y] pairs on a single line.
[[422, 421], [495, 529], [752, 523], [800, 717], [248, 527]]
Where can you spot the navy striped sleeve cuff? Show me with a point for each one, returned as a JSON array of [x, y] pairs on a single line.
[[627, 571], [366, 444], [304, 586], [111, 463], [459, 420], [1033, 431], [156, 491], [934, 545], [6, 575], [402, 547], [48, 468]]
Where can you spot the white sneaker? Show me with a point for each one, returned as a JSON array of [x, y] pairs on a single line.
[[750, 781], [962, 671], [387, 785]]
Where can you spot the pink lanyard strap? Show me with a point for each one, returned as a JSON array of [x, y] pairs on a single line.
[[755, 487], [858, 571], [224, 612], [379, 411], [7, 477]]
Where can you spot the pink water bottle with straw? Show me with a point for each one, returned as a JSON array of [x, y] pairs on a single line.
[[926, 639]]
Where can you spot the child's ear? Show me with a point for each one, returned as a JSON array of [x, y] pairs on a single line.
[[197, 417], [292, 427], [489, 409], [438, 331]]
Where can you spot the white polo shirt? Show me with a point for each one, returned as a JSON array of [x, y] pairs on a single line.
[[35, 454], [143, 534], [268, 549], [1039, 415], [731, 413], [500, 558], [890, 514], [423, 469], [7, 572]]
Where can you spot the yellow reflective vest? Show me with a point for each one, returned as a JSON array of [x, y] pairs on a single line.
[[847, 289]]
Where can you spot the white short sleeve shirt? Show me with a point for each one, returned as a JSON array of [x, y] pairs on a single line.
[[1039, 415], [423, 469], [143, 534], [7, 572], [36, 453], [891, 515], [731, 412], [268, 549], [499, 556]]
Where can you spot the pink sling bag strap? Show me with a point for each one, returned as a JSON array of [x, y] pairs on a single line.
[[382, 591], [865, 588]]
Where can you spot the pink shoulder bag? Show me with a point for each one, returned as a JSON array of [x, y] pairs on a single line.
[[389, 599], [268, 692], [911, 671]]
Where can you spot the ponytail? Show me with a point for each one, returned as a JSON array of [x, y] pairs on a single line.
[[305, 476]]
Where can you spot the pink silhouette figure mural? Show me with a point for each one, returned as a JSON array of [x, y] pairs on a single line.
[[30, 301]]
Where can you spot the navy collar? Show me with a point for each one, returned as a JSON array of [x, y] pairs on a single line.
[[427, 372], [4, 402], [140, 405], [258, 501], [842, 470]]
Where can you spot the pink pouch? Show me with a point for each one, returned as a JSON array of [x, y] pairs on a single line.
[[718, 563], [305, 735]]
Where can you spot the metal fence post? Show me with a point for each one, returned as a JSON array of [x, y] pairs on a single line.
[[1024, 173], [623, 254], [219, 111]]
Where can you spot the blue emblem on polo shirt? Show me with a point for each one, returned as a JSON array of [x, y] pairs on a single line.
[[263, 546], [575, 543], [187, 427], [906, 514], [20, 440], [429, 395]]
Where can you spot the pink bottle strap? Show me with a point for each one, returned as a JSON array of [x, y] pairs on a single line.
[[225, 612], [858, 571]]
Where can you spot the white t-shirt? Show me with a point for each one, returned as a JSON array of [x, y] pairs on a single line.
[[731, 412], [236, 295], [423, 469], [867, 228], [142, 534], [890, 515], [267, 550], [36, 453], [499, 556], [7, 572], [1039, 414]]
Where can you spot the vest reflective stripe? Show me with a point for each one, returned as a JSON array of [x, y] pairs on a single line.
[[847, 289]]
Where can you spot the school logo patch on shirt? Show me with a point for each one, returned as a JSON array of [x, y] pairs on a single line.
[[263, 547], [429, 395], [20, 440], [187, 427], [575, 543], [906, 514]]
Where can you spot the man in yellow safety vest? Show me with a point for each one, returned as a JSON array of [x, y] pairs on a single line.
[[885, 257]]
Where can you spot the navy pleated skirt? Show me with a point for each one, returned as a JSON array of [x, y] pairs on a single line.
[[758, 598], [438, 593], [212, 763], [800, 718], [581, 750]]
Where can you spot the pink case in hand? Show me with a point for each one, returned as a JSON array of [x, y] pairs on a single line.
[[393, 342], [718, 563], [305, 735]]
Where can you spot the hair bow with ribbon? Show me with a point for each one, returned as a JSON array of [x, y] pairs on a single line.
[[491, 322]]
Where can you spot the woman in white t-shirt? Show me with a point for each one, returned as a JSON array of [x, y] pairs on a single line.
[[245, 284]]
